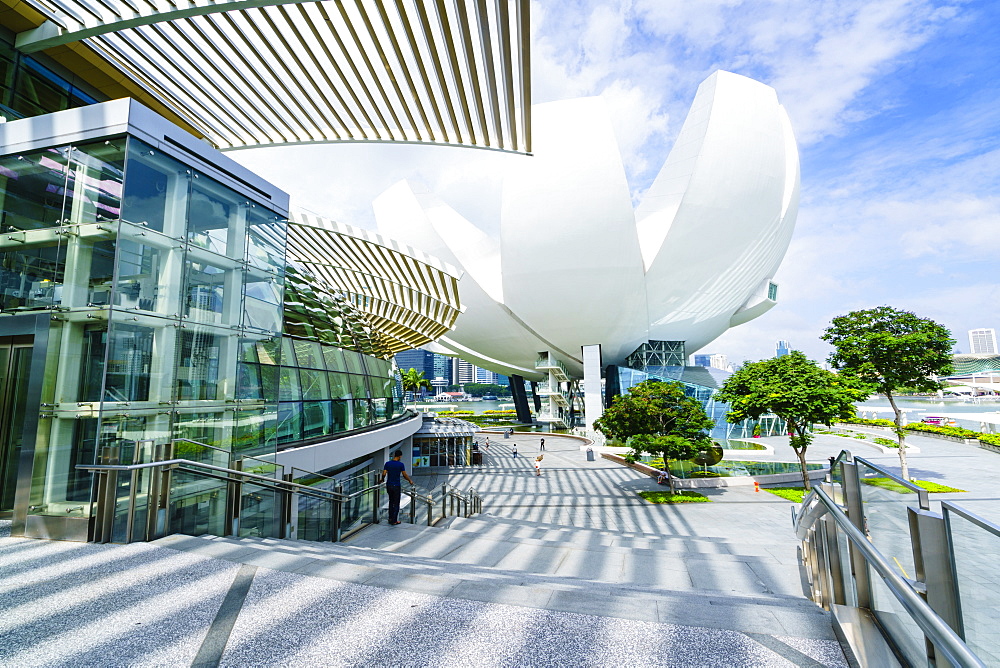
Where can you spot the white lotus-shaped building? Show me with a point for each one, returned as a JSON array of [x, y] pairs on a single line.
[[575, 265]]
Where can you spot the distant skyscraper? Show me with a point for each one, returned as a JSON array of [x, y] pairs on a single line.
[[714, 360], [783, 348], [983, 341]]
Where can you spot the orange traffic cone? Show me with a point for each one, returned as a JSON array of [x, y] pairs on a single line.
[[756, 486]]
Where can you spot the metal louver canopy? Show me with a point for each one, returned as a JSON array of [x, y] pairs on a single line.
[[409, 297], [251, 73]]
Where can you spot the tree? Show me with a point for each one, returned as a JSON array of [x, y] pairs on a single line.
[[413, 380], [657, 418], [795, 389], [891, 350]]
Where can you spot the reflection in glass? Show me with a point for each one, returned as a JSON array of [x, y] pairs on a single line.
[[155, 191], [198, 355], [978, 584], [33, 186]]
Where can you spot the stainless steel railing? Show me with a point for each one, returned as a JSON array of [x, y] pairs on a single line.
[[146, 500], [848, 525]]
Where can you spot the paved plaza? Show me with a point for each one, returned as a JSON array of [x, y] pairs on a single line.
[[567, 568]]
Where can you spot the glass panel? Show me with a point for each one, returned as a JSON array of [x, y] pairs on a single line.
[[289, 422], [199, 353], [316, 419], [197, 504], [315, 520], [885, 518], [205, 291], [95, 182], [362, 413], [208, 427], [334, 358], [269, 350], [308, 354], [340, 386], [341, 416], [32, 189], [262, 306], [355, 361], [978, 585], [32, 277], [898, 623], [260, 512], [255, 431], [265, 240], [314, 384], [288, 384], [156, 190], [148, 269], [129, 364], [215, 218], [248, 382], [359, 387]]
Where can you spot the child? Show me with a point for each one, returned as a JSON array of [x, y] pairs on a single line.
[[538, 465]]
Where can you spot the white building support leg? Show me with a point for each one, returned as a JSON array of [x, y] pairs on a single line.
[[593, 402]]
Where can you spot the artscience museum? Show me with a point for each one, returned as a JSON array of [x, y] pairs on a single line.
[[578, 283]]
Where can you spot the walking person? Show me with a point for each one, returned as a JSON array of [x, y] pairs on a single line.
[[392, 470], [515, 451], [541, 445], [538, 464]]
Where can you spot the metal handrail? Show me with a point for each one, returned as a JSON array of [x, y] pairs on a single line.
[[922, 496], [981, 522], [936, 629], [232, 474]]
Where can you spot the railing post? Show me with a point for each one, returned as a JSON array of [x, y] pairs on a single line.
[[413, 506], [933, 562], [130, 518], [430, 510], [444, 499], [290, 510], [375, 505], [856, 513], [834, 562]]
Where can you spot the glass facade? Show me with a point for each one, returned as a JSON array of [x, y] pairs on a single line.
[[168, 291], [29, 88]]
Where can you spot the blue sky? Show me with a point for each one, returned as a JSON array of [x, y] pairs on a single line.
[[895, 104]]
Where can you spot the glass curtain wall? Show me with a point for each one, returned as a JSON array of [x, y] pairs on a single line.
[[167, 289], [154, 273]]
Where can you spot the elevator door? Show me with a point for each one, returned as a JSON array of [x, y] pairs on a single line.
[[15, 362]]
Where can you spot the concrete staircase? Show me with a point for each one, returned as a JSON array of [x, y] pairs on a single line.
[[750, 585]]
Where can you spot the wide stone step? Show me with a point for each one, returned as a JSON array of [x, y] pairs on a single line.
[[660, 599], [502, 528]]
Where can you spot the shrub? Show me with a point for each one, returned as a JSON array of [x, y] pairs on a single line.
[[794, 494], [704, 474], [990, 439], [510, 412], [870, 423], [861, 436], [957, 432], [456, 413], [887, 442]]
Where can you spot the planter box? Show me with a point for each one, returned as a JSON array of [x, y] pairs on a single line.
[[989, 446], [738, 481]]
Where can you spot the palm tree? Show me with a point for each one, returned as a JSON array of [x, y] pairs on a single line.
[[413, 380]]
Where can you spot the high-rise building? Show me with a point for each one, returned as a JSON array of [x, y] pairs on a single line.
[[782, 348], [983, 341], [712, 360]]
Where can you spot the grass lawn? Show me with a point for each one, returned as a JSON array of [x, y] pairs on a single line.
[[679, 497], [794, 494], [889, 483]]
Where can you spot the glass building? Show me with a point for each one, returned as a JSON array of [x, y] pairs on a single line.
[[154, 302]]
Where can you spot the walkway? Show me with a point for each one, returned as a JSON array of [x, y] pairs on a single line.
[[248, 603]]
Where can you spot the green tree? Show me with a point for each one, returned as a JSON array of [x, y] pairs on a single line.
[[891, 350], [413, 380], [795, 389], [657, 418]]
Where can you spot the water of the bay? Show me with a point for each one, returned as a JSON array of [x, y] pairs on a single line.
[[917, 408]]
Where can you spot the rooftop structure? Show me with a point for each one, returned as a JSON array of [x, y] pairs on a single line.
[[270, 72], [983, 342]]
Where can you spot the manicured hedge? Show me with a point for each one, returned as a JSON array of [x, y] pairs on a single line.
[[990, 439], [870, 423], [957, 432]]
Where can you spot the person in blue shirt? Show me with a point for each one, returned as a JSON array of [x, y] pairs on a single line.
[[392, 470]]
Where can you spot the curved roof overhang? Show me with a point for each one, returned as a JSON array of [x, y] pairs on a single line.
[[409, 298], [251, 73]]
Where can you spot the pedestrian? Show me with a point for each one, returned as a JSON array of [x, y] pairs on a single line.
[[538, 465], [393, 486], [541, 445], [515, 451]]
